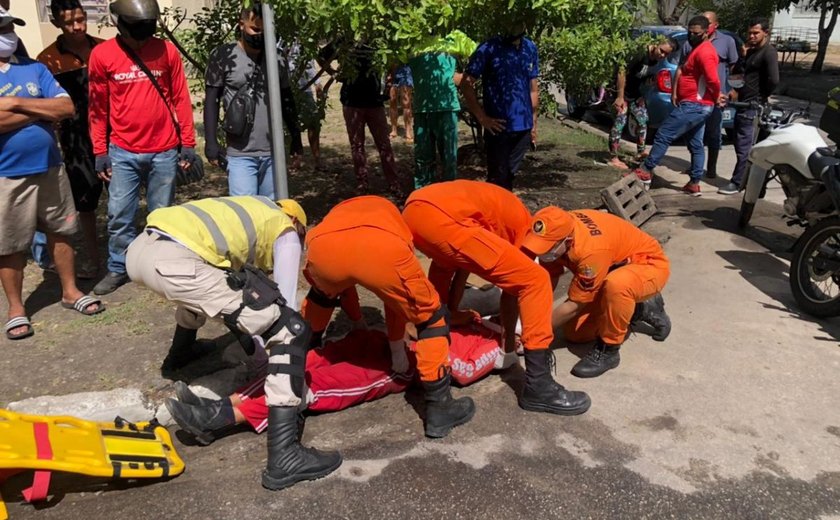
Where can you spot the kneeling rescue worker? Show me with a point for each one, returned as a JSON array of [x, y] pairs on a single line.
[[364, 241], [477, 227], [209, 257], [619, 271]]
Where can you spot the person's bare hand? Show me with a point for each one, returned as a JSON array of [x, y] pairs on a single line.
[[620, 104], [461, 318], [493, 125]]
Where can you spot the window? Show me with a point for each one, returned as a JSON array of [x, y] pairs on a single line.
[[96, 9]]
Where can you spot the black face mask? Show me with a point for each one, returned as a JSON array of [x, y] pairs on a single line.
[[140, 31], [511, 38], [254, 41], [695, 39]]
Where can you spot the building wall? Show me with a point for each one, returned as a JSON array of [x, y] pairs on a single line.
[[807, 20], [39, 32]]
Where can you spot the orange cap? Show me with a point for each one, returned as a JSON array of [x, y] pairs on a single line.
[[549, 226]]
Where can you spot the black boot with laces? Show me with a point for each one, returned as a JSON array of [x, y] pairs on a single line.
[[542, 393], [601, 358]]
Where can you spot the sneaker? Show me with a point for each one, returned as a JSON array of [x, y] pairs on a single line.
[[730, 189], [692, 188], [642, 175], [110, 283]]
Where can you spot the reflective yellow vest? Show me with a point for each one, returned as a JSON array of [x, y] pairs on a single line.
[[227, 232]]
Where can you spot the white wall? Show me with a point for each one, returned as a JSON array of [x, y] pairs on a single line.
[[798, 17], [39, 33]]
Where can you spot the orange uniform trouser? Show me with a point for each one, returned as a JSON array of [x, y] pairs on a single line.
[[319, 316], [453, 245], [608, 316], [384, 264]]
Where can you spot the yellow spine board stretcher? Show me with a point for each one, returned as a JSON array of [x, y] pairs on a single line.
[[118, 449]]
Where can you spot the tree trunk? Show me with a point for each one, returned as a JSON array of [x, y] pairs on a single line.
[[825, 33]]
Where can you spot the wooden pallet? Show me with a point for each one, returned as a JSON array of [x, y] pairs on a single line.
[[629, 199]]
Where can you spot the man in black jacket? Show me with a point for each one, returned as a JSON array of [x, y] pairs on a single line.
[[759, 69]]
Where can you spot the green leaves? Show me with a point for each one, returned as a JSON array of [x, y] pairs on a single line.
[[581, 42]]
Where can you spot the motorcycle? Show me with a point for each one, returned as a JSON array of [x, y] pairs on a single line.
[[809, 171]]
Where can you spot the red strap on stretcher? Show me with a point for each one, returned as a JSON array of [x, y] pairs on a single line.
[[41, 481]]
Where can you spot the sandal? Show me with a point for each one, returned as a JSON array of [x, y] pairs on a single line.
[[20, 321], [83, 303]]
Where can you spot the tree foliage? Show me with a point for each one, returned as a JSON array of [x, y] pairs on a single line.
[[580, 41], [734, 14]]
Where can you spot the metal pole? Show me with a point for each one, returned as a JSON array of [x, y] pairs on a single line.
[[272, 70]]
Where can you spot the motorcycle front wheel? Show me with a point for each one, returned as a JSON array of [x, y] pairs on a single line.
[[815, 269]]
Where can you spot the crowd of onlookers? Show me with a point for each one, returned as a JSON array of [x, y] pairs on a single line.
[[712, 71], [90, 114], [117, 128]]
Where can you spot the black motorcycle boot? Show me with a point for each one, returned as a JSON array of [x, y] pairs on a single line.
[[288, 461], [711, 163], [652, 312], [203, 422], [601, 358], [187, 396], [442, 411], [542, 393], [184, 349]]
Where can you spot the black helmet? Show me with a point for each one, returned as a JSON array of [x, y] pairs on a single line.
[[135, 10]]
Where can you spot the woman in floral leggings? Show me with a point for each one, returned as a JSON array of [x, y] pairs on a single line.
[[628, 88]]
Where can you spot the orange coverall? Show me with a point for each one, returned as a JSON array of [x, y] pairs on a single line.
[[364, 241], [615, 266], [477, 227]]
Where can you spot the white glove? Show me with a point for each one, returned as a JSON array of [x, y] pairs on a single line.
[[399, 357], [506, 360]]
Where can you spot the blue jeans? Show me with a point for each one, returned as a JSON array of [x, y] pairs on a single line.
[[251, 176], [155, 171], [713, 136], [687, 120]]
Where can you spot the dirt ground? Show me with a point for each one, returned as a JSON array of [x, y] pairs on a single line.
[[124, 346]]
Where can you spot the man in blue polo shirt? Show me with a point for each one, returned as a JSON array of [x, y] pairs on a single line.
[[34, 191], [508, 67]]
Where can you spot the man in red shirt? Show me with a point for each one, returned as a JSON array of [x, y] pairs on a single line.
[[696, 94], [135, 139]]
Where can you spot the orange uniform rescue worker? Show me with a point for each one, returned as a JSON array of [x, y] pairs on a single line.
[[476, 227], [619, 271], [364, 241]]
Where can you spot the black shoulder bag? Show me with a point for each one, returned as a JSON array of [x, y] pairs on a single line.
[[240, 112], [196, 170]]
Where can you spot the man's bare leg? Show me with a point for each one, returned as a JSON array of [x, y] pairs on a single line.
[[64, 257], [11, 276]]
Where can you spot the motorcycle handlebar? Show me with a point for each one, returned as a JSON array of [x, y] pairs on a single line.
[[743, 104]]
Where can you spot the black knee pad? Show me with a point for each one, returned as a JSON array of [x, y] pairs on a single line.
[[426, 331]]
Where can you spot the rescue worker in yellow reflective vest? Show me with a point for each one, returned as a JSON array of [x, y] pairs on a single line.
[[210, 257]]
